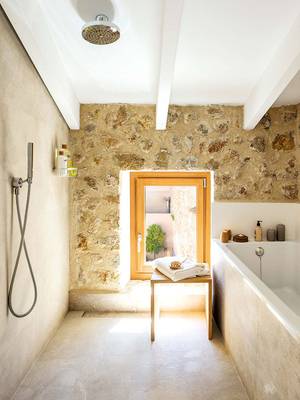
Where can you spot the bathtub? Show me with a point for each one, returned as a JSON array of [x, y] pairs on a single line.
[[260, 318]]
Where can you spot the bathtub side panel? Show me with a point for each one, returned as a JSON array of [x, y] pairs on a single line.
[[238, 321], [278, 358], [267, 357]]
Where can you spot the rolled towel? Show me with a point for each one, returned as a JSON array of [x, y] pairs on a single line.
[[166, 261], [190, 269]]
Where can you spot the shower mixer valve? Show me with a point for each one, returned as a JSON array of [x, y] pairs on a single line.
[[17, 183]]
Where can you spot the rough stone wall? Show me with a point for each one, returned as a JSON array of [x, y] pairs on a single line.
[[183, 209], [257, 165], [297, 134]]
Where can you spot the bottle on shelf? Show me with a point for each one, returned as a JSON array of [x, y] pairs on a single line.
[[258, 232], [62, 163], [67, 153]]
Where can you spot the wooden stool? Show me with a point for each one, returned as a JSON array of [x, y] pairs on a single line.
[[158, 278]]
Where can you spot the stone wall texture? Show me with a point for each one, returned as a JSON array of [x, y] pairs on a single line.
[[257, 165], [183, 210]]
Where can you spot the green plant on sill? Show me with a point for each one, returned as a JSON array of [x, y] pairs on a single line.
[[155, 239]]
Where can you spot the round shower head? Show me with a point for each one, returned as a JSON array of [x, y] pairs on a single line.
[[101, 31]]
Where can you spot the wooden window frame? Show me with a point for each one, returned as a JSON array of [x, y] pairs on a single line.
[[203, 229]]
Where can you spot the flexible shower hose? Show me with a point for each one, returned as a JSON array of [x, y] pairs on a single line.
[[22, 244]]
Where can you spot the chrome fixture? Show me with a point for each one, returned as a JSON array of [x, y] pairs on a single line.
[[17, 184], [101, 31], [259, 251]]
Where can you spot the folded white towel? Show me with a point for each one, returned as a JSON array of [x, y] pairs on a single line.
[[189, 269]]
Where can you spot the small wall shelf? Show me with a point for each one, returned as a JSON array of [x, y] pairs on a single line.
[[63, 163], [70, 172]]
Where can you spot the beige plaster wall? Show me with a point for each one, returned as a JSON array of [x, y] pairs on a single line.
[[257, 165], [27, 113]]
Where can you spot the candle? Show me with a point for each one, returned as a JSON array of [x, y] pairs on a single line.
[[280, 228], [271, 235]]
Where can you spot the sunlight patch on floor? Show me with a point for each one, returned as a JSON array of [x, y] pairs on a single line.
[[110, 357]]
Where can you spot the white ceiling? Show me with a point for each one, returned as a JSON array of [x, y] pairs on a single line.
[[225, 46], [291, 94], [125, 71], [223, 49]]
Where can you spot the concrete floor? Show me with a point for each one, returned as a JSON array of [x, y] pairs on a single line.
[[110, 357]]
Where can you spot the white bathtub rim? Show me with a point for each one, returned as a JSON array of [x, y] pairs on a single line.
[[287, 317]]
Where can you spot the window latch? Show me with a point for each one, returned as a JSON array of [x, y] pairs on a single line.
[[139, 241]]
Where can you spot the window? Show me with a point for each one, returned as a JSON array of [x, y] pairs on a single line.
[[170, 216]]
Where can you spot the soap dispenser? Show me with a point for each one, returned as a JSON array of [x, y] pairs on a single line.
[[258, 232]]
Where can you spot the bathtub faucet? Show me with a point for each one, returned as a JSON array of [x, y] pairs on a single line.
[[259, 251]]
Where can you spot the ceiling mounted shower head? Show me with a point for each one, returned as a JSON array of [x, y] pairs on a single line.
[[101, 31]]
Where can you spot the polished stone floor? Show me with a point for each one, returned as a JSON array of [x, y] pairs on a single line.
[[110, 357]]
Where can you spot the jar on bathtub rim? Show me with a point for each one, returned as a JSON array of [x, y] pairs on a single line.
[[280, 232], [271, 235]]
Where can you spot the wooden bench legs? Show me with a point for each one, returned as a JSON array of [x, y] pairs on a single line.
[[208, 310], [152, 312]]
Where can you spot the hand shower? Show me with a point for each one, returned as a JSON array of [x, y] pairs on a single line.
[[17, 184], [29, 162]]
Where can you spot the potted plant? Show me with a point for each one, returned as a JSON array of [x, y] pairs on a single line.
[[155, 239]]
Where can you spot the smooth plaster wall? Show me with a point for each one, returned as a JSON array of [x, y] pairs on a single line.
[[241, 217], [27, 113], [249, 166]]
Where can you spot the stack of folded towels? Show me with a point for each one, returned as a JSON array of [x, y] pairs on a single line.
[[189, 268]]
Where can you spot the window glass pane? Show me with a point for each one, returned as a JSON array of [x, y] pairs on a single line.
[[170, 221]]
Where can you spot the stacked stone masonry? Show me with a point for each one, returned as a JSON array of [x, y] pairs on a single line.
[[256, 165]]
